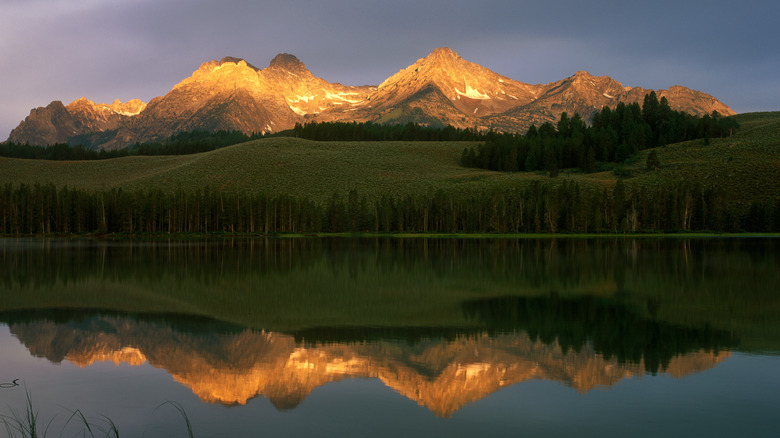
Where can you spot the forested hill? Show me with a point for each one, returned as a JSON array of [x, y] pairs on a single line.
[[613, 137]]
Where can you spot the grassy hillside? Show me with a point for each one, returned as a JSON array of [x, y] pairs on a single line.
[[282, 166], [747, 165]]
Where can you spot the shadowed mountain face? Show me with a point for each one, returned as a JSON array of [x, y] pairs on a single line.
[[227, 364], [56, 123], [439, 89]]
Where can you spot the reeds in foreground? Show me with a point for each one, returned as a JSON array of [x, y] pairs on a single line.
[[26, 424]]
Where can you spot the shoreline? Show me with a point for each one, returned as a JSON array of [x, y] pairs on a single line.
[[361, 235]]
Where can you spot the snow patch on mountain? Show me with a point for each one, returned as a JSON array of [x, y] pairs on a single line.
[[128, 114], [341, 96], [472, 93]]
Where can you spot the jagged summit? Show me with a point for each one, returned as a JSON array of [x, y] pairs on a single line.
[[440, 89], [454, 85], [236, 60], [582, 74], [444, 58], [443, 52], [287, 62]]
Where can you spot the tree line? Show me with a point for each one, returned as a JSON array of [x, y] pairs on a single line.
[[370, 131], [193, 142], [538, 208], [182, 143], [58, 152], [612, 137]]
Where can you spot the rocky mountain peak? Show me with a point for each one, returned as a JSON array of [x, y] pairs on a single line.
[[582, 74], [454, 85], [81, 102], [593, 88], [286, 61], [235, 60], [443, 59], [442, 66], [443, 52]]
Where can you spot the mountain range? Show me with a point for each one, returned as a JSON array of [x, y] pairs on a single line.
[[440, 89]]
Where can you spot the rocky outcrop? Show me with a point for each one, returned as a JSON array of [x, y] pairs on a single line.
[[45, 126], [57, 123]]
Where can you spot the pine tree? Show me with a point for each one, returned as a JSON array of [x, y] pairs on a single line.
[[590, 160]]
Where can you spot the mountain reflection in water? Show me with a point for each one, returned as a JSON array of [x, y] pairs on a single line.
[[444, 322], [443, 372]]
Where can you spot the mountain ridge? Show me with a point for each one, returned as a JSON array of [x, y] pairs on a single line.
[[439, 89]]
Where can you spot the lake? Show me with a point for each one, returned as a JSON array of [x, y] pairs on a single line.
[[393, 336]]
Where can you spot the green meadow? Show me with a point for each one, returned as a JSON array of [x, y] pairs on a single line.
[[290, 166], [746, 166]]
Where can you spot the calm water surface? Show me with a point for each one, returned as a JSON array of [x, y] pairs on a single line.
[[391, 337]]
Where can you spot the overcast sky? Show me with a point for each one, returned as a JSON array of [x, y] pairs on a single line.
[[125, 49]]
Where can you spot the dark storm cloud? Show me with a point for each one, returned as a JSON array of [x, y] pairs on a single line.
[[63, 49]]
